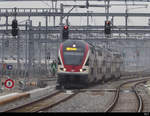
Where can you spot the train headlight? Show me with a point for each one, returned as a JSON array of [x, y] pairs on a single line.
[[81, 70], [64, 69]]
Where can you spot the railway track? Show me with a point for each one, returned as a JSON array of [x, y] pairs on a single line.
[[44, 103], [140, 100], [134, 83], [57, 97]]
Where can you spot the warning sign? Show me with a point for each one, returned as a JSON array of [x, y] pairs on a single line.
[[9, 83]]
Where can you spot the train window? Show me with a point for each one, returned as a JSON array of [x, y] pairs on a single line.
[[99, 70], [108, 69], [73, 58], [118, 69], [59, 63], [117, 55], [104, 62], [99, 53], [73, 52], [87, 62], [48, 57], [108, 55]]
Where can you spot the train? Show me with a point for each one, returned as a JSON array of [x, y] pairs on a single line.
[[81, 64]]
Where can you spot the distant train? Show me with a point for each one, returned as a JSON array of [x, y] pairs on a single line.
[[80, 63]]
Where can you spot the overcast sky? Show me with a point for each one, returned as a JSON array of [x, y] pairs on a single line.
[[82, 20]]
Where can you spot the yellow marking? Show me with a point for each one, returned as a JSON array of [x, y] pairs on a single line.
[[71, 49]]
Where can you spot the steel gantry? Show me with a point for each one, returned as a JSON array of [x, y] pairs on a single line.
[[59, 12], [39, 12]]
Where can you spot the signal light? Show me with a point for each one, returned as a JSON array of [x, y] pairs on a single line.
[[14, 25], [107, 22], [14, 31], [107, 27], [65, 27], [65, 33]]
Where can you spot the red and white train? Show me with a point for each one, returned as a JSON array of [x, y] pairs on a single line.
[[79, 63]]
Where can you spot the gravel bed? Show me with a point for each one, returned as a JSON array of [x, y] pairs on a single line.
[[127, 102], [145, 96], [85, 102]]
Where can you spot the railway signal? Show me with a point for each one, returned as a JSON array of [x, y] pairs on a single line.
[[107, 29], [65, 32], [14, 25]]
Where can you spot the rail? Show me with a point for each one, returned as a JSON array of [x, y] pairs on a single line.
[[116, 97]]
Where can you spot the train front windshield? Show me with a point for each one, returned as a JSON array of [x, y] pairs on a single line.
[[73, 56]]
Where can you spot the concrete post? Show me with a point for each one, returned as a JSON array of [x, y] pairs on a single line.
[[30, 48], [61, 20], [18, 54], [46, 21], [39, 45], [26, 49]]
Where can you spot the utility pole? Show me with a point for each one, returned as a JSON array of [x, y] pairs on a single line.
[[18, 53], [2, 54], [6, 20], [87, 24], [61, 21], [107, 17], [26, 50], [39, 45], [126, 18], [30, 48], [46, 21], [18, 44], [54, 8], [107, 2]]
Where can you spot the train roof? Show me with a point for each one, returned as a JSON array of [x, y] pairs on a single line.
[[108, 50]]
